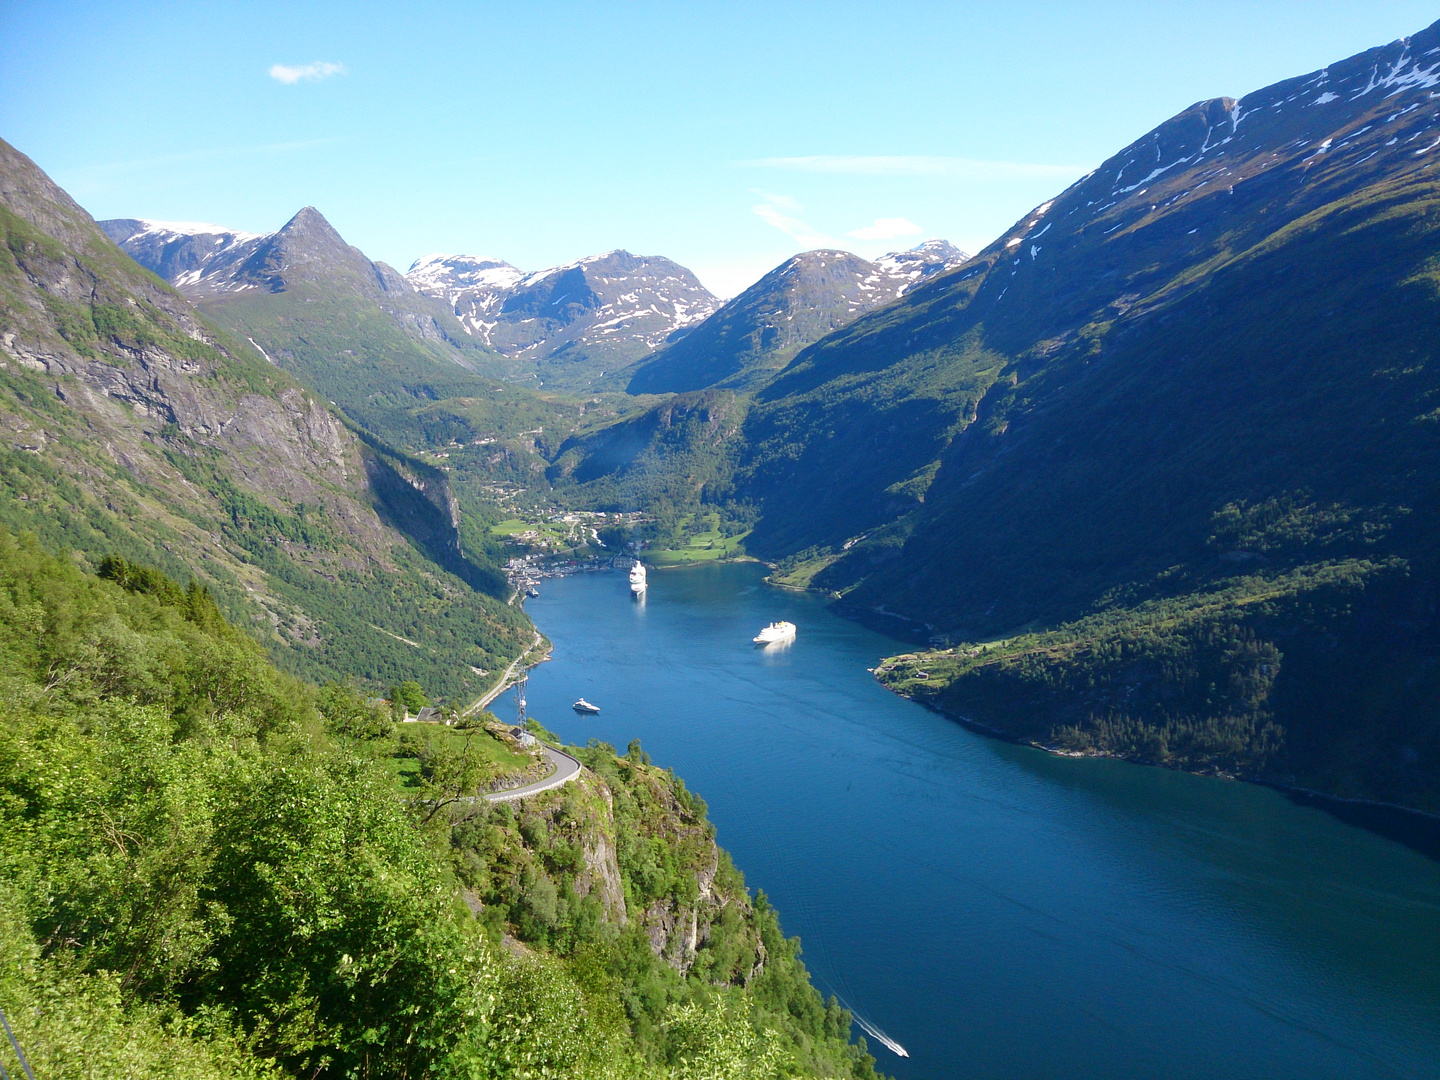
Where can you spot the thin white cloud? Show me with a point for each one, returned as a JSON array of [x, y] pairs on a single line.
[[887, 228], [101, 178], [320, 69], [773, 212], [917, 165]]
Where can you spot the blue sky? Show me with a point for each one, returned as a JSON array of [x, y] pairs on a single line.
[[725, 136]]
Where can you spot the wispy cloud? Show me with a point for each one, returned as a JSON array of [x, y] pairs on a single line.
[[320, 69], [775, 210], [887, 228], [917, 165], [100, 178]]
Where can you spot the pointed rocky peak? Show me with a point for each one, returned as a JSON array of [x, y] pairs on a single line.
[[309, 231], [309, 222]]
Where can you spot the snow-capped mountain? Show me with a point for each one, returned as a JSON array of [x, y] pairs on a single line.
[[919, 263], [181, 252], [473, 285], [303, 295], [206, 260], [597, 314], [797, 303]]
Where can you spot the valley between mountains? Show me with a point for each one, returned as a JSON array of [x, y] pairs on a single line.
[[1154, 467], [1153, 476]]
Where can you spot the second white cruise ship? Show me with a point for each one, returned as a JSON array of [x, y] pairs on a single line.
[[637, 578]]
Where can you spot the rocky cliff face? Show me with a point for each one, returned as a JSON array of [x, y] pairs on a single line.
[[627, 842], [134, 426]]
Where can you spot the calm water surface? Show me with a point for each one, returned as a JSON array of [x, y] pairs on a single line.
[[1001, 912]]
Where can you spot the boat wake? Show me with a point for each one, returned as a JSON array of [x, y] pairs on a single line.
[[878, 1035]]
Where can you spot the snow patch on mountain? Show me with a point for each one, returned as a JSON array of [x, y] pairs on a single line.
[[614, 300]]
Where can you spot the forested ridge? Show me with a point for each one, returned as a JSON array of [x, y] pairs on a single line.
[[208, 870], [1155, 471]]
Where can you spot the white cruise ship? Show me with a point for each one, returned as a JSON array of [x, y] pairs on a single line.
[[776, 631], [637, 578]]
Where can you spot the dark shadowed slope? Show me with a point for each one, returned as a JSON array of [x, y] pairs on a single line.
[[1191, 402], [800, 301]]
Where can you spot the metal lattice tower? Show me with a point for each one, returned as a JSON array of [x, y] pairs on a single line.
[[520, 698]]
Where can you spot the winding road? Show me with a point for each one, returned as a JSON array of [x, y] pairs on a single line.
[[566, 769], [504, 683]]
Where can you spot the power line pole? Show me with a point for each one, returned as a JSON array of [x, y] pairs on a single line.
[[520, 699]]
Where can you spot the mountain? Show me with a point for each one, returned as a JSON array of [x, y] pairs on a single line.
[[180, 252], [571, 324], [1164, 455], [134, 427], [796, 304], [209, 263], [166, 787], [473, 286], [351, 329]]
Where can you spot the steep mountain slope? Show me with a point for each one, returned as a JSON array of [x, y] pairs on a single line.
[[351, 329], [207, 263], [133, 427], [571, 324], [472, 286], [176, 812], [800, 301], [1191, 403], [676, 453]]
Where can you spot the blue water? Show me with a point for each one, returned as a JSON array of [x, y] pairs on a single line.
[[1001, 912]]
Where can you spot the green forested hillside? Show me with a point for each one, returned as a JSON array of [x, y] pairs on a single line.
[[673, 456], [133, 427], [1179, 418], [207, 871], [1184, 469]]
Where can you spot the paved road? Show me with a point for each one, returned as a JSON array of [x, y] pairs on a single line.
[[504, 683], [566, 769]]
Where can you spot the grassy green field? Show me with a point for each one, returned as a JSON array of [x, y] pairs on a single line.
[[557, 537], [704, 546], [413, 740], [799, 575]]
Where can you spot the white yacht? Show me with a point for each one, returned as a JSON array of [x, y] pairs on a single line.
[[776, 631], [584, 706], [637, 578]]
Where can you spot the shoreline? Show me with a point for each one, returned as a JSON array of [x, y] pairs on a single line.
[[505, 681], [1422, 834]]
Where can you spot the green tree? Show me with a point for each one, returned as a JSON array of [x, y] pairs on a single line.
[[409, 696]]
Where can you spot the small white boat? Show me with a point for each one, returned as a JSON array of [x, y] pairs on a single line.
[[776, 631], [637, 578], [584, 706]]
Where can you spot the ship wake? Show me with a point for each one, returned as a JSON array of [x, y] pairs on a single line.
[[879, 1036]]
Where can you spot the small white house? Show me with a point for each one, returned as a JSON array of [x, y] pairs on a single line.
[[523, 737]]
